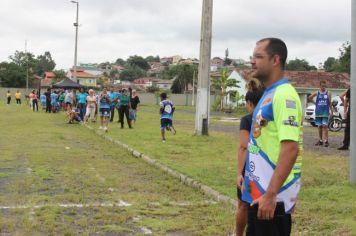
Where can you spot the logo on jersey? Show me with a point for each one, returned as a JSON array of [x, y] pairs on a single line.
[[291, 121], [259, 124], [168, 108]]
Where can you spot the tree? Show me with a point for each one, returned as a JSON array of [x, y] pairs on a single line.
[[345, 57], [58, 75], [329, 64], [120, 62], [139, 62], [131, 73], [343, 63], [222, 83], [12, 75], [44, 63], [183, 76], [153, 59], [299, 65]]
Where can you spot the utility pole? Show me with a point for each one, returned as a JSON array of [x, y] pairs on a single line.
[[26, 66], [203, 91], [76, 25], [353, 93], [193, 92]]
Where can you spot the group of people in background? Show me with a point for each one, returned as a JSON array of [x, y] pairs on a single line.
[[86, 105]]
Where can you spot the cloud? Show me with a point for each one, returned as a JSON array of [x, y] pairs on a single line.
[[110, 29]]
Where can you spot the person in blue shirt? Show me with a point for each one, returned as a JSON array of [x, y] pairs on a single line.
[[104, 111], [82, 102], [323, 111], [114, 96], [43, 101], [54, 102], [166, 110]]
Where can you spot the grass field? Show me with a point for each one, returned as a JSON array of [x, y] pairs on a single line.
[[61, 179], [326, 203]]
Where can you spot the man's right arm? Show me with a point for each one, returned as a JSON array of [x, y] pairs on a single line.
[[311, 96]]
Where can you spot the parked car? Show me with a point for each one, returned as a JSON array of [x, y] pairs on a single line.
[[309, 114]]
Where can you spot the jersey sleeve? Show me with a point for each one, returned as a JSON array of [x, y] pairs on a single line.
[[161, 104], [287, 114]]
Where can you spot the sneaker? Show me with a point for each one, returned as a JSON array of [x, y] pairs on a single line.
[[100, 127], [319, 143], [163, 140], [343, 148], [106, 129], [326, 144]]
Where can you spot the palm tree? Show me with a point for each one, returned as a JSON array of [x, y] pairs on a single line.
[[222, 83]]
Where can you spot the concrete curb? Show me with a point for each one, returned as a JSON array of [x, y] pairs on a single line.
[[208, 191]]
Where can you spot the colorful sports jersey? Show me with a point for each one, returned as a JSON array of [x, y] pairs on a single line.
[[167, 109], [322, 104], [104, 101], [277, 117]]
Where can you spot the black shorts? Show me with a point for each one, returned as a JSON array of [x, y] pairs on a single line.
[[166, 123], [280, 225]]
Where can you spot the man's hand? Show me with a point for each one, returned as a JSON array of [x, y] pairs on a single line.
[[266, 206]]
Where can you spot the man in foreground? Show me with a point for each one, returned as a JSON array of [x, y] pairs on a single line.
[[273, 164]]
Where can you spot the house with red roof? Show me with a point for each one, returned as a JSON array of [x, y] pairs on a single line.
[[83, 78], [47, 80]]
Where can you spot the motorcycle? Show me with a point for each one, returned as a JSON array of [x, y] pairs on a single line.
[[336, 122]]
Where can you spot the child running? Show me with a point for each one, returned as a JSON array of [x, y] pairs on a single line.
[[104, 110], [166, 110]]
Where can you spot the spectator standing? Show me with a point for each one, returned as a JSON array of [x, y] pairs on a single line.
[[124, 106], [252, 97], [42, 99], [323, 110], [104, 110], [345, 98], [34, 100], [48, 100], [18, 97], [273, 164], [68, 99], [114, 97], [82, 102], [91, 106], [135, 100], [8, 97], [54, 101]]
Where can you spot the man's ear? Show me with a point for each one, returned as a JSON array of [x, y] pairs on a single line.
[[276, 60]]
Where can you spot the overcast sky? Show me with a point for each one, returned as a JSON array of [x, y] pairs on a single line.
[[109, 29]]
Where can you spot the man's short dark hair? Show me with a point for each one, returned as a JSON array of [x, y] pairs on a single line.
[[163, 95], [276, 47]]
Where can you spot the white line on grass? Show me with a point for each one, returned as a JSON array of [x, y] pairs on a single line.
[[69, 205]]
